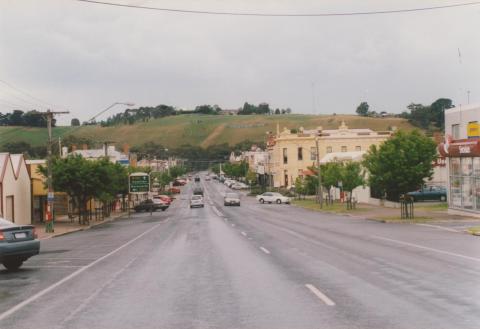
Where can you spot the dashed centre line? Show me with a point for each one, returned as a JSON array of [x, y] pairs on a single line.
[[265, 250], [324, 298], [243, 233]]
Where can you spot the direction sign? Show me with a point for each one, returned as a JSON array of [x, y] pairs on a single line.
[[139, 183]]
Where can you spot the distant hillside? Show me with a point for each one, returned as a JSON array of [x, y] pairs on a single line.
[[202, 130]]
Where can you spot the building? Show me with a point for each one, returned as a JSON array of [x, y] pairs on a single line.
[[292, 152], [15, 189], [159, 165], [462, 152], [96, 154]]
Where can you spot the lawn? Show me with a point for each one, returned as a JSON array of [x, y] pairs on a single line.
[[335, 207]]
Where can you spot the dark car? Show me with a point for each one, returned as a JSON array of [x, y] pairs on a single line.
[[17, 244], [429, 193], [197, 178], [150, 205], [198, 191]]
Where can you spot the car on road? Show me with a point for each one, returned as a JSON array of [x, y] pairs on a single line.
[[198, 190], [150, 205], [238, 186], [272, 197], [165, 198], [174, 190], [429, 193], [17, 244], [231, 199], [197, 178], [196, 201]]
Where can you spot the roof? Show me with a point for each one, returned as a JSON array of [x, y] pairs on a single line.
[[460, 107], [17, 160], [3, 164], [343, 156]]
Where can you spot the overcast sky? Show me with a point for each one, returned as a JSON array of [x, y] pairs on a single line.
[[86, 56]]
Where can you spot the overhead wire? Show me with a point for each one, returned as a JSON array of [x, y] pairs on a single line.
[[46, 104], [265, 14]]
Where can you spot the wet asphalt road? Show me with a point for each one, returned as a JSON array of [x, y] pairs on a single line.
[[254, 266]]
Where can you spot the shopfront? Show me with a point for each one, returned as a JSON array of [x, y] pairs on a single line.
[[464, 174]]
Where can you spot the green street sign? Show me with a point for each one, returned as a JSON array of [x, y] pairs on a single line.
[[139, 183]]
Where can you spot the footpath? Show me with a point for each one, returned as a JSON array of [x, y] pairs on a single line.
[[63, 225]]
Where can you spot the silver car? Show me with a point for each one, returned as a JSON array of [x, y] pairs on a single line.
[[196, 201], [231, 199]]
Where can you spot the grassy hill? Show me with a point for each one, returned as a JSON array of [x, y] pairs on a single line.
[[203, 130]]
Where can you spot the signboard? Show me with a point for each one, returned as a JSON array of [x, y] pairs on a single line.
[[473, 130], [139, 183], [50, 196], [460, 148]]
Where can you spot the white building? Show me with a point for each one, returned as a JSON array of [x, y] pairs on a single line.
[[15, 189], [96, 154], [462, 151]]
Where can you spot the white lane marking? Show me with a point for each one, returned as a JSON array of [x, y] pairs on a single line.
[[320, 295], [441, 228], [243, 233], [426, 248], [265, 250], [217, 212], [233, 225], [39, 294]]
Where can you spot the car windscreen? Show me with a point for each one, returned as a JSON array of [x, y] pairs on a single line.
[[231, 195], [196, 197]]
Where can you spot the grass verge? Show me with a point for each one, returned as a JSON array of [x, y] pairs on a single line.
[[398, 219], [474, 230], [336, 207]]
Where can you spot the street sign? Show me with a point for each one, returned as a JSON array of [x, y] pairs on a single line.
[[50, 196], [139, 183]]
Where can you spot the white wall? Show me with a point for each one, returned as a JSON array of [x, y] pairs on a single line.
[[21, 190]]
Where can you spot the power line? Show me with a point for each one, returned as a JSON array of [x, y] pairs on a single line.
[[28, 94], [325, 14]]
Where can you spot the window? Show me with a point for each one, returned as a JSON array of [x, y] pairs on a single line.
[[285, 174], [300, 153], [465, 183], [344, 149], [358, 148], [329, 149], [285, 156], [313, 153], [455, 131]]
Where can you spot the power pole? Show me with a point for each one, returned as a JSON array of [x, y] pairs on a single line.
[[105, 145], [49, 216], [320, 188]]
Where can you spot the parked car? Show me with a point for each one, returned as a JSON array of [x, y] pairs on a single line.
[[229, 182], [231, 199], [167, 199], [429, 193], [150, 205], [271, 197], [179, 182], [198, 190], [159, 201], [197, 178], [174, 190], [196, 201], [17, 244], [238, 186]]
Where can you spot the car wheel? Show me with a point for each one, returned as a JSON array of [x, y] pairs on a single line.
[[13, 264], [443, 198], [279, 201], [163, 209], [239, 204], [261, 201]]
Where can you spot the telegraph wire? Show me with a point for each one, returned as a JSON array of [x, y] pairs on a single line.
[[321, 14]]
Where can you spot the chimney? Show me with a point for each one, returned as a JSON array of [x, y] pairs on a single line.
[[126, 148]]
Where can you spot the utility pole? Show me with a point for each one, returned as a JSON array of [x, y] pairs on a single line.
[[320, 188], [105, 145], [49, 214]]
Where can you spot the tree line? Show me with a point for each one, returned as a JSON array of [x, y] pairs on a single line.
[[29, 119]]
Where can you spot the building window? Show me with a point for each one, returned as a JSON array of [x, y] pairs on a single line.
[[329, 149], [344, 149], [285, 156], [358, 148], [285, 175], [300, 153], [313, 153], [464, 181], [455, 131]]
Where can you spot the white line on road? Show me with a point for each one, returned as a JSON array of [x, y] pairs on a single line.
[[39, 294], [427, 248], [217, 212], [265, 250], [441, 228], [233, 225], [320, 295], [243, 233]]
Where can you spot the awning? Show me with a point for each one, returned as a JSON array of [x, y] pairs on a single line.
[[460, 148]]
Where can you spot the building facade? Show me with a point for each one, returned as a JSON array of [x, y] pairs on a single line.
[[15, 189], [462, 151], [292, 153]]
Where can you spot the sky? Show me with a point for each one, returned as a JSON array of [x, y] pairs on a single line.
[[83, 57]]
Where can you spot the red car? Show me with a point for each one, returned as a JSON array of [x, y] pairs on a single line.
[[164, 198], [174, 190]]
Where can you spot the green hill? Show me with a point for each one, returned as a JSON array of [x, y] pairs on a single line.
[[202, 130]]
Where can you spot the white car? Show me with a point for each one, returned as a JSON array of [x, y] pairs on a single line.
[[239, 186], [271, 197], [196, 201], [229, 182]]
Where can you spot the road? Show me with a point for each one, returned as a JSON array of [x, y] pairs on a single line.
[[254, 266]]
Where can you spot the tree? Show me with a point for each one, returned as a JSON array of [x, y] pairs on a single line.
[[75, 122], [352, 177], [331, 174], [300, 187], [362, 109], [438, 111], [401, 164], [251, 178], [277, 111]]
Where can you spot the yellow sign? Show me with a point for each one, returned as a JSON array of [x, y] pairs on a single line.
[[473, 129]]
